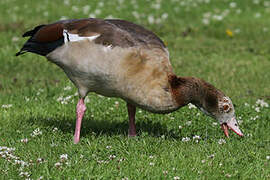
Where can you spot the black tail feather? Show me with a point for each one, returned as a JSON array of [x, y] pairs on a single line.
[[41, 48], [33, 31]]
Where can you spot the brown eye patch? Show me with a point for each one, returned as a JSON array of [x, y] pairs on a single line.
[[226, 108]]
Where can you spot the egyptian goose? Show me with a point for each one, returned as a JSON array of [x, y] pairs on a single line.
[[117, 58]]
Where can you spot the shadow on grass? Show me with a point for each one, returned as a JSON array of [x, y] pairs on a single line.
[[100, 127]]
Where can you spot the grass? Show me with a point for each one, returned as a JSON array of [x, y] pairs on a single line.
[[237, 64]]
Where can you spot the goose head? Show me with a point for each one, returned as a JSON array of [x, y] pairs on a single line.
[[208, 99], [224, 113]]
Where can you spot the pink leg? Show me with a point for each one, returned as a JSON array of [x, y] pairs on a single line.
[[80, 112], [131, 116]]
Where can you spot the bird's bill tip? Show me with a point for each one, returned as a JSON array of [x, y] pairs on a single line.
[[233, 125]]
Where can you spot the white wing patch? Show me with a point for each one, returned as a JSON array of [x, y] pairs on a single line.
[[75, 37]]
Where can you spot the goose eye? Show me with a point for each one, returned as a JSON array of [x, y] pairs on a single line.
[[226, 108]]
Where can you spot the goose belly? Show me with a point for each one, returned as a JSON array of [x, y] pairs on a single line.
[[91, 67]]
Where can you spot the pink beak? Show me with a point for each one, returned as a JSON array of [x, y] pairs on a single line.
[[233, 125]]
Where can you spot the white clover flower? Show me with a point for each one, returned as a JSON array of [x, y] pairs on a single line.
[[40, 160], [155, 6], [217, 17], [67, 88], [180, 127], [86, 9], [151, 19], [112, 157], [196, 137], [164, 16], [262, 103], [66, 2], [97, 11], [257, 15], [63, 157], [151, 164], [24, 174], [238, 11], [46, 13], [36, 132], [203, 161], [191, 106], [63, 18], [108, 147], [176, 177], [256, 1], [205, 21], [257, 109], [268, 157], [185, 139], [233, 4], [6, 106], [92, 15], [15, 39], [214, 123], [188, 123], [221, 141], [136, 14], [58, 164], [24, 140]]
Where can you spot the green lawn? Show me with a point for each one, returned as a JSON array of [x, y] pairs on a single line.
[[224, 42]]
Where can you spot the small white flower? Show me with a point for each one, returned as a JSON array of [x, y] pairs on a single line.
[[257, 15], [164, 16], [86, 9], [185, 139], [221, 141], [40, 160], [205, 21], [75, 8], [63, 18], [63, 157], [6, 106], [196, 137], [191, 106], [24, 140], [108, 147], [233, 4], [58, 164], [151, 164], [180, 127], [257, 109], [238, 11], [188, 123], [15, 39], [97, 11], [268, 157], [203, 161], [214, 123], [24, 174], [262, 103], [112, 157], [256, 1], [67, 88], [36, 132], [151, 19], [176, 177], [151, 157]]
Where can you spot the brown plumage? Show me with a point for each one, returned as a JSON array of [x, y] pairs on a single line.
[[117, 58]]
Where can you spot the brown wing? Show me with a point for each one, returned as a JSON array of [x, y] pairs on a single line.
[[45, 38], [114, 32]]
